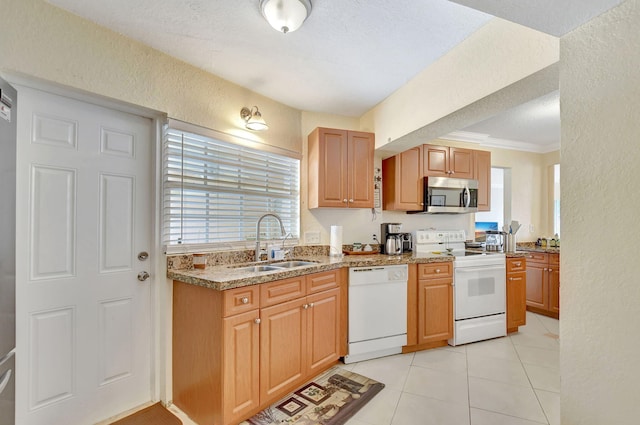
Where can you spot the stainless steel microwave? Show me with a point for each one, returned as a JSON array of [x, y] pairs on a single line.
[[446, 195]]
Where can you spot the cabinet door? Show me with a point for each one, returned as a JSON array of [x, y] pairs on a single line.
[[516, 300], [328, 184], [554, 289], [482, 173], [323, 330], [537, 286], [435, 310], [361, 147], [402, 183], [241, 363], [461, 163], [282, 348], [435, 160]]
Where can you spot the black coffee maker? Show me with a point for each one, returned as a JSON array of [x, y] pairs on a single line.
[[389, 231]]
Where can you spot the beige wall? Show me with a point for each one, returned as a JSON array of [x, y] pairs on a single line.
[[498, 54], [600, 290], [43, 41]]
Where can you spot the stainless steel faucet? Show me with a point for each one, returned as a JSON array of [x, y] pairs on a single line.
[[284, 232]]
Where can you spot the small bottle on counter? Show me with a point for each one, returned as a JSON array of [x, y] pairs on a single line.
[[557, 240], [543, 243]]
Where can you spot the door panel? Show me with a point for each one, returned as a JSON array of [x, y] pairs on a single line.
[[83, 319], [323, 329]]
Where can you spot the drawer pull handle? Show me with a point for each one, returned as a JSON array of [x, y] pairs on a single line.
[[245, 300]]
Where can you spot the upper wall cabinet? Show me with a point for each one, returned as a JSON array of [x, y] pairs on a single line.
[[402, 174], [340, 168], [445, 161], [482, 173]]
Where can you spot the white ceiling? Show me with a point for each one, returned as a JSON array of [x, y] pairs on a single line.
[[346, 58]]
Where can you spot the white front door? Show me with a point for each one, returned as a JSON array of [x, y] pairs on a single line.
[[84, 208]]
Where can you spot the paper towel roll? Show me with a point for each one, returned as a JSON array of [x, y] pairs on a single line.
[[335, 244]]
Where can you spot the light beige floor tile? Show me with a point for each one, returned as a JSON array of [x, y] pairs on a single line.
[[500, 349], [512, 400], [543, 378], [354, 421], [539, 356], [551, 405], [380, 410], [457, 348], [484, 417], [391, 371], [417, 410], [552, 325], [546, 341], [445, 360], [500, 370], [534, 325], [442, 385]]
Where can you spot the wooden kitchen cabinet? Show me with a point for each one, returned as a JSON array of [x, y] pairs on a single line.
[[402, 181], [446, 161], [543, 283], [516, 293], [482, 173], [232, 356], [430, 306], [340, 168]]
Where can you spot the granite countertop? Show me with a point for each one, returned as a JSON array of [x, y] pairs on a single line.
[[227, 276]]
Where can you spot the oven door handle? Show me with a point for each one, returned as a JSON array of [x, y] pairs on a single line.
[[479, 269]]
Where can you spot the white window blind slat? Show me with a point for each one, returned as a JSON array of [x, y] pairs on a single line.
[[215, 191]]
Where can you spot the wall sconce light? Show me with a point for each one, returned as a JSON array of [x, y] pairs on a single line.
[[285, 15], [253, 119]]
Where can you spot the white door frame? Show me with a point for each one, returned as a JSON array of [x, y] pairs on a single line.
[[161, 287]]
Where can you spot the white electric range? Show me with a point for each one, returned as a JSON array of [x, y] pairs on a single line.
[[479, 282]]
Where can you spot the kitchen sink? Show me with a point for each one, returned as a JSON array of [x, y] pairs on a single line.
[[296, 263], [255, 269]]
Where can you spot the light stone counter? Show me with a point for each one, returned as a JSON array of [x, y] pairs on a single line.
[[221, 276]]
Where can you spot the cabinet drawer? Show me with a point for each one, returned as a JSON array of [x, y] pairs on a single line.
[[516, 265], [282, 290], [554, 260], [537, 257], [239, 300], [322, 281], [435, 270]]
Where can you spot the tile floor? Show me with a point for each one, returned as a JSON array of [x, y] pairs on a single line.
[[513, 380]]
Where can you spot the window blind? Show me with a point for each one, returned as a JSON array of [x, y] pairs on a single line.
[[215, 191]]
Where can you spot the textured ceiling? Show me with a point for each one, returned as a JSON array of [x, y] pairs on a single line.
[[347, 57]]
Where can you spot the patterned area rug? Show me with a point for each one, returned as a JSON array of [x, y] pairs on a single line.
[[330, 399]]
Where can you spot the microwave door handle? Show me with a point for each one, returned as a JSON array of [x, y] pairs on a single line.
[[467, 197]]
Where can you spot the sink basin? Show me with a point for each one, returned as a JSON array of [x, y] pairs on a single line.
[[255, 269], [290, 264]]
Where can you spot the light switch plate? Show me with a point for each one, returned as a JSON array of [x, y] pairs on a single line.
[[312, 237]]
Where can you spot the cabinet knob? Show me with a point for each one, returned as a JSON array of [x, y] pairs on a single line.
[[305, 306], [257, 321], [351, 200], [452, 172], [518, 264], [311, 305], [437, 270], [344, 200], [545, 269], [510, 278], [550, 270], [245, 300]]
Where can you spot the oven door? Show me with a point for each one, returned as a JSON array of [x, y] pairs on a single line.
[[479, 291]]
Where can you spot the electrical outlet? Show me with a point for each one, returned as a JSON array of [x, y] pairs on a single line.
[[312, 237]]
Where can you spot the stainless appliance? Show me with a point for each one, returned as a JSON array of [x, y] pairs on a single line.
[[446, 195], [377, 311], [391, 238], [407, 242], [8, 98], [495, 240], [479, 280]]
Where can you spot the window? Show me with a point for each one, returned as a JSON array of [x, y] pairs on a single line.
[[217, 186]]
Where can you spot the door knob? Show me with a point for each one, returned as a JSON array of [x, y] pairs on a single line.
[[142, 276]]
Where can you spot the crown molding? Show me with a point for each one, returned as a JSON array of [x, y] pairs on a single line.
[[491, 142]]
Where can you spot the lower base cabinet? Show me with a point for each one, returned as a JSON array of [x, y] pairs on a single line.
[[430, 306], [231, 357], [516, 293], [543, 283]]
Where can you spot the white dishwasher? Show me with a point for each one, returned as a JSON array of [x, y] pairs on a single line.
[[377, 311]]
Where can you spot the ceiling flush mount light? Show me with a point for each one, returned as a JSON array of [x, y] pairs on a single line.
[[253, 119], [285, 15]]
